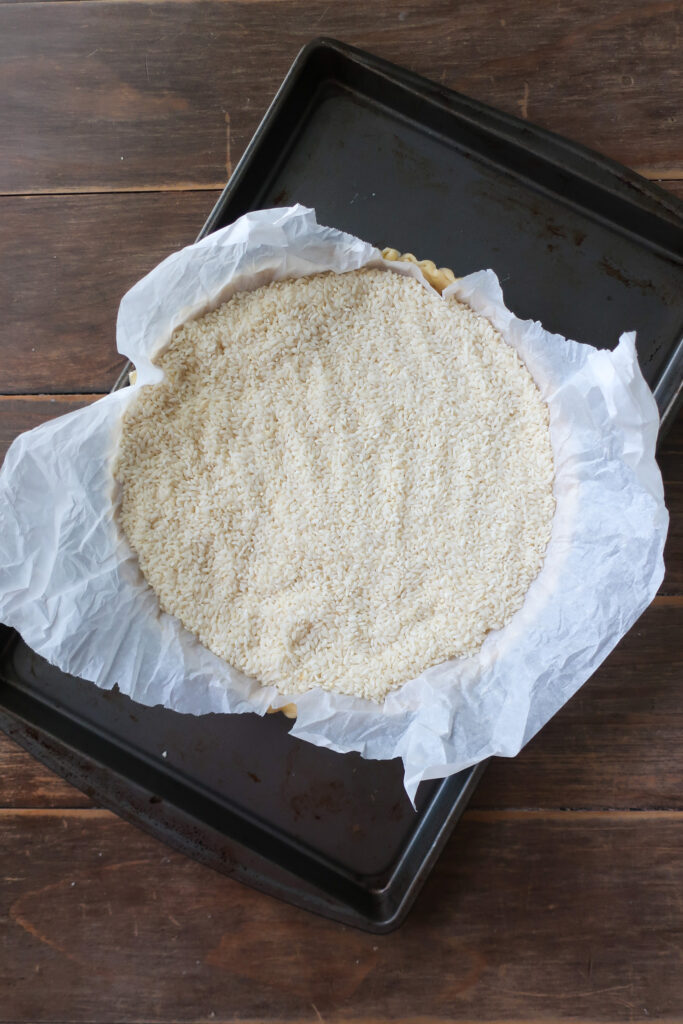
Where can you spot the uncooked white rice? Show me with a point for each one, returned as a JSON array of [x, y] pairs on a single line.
[[341, 480]]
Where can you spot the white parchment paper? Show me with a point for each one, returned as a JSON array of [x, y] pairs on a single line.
[[70, 584]]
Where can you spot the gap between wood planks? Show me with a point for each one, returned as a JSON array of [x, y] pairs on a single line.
[[671, 175], [489, 815], [71, 3], [46, 397], [320, 1019], [98, 190]]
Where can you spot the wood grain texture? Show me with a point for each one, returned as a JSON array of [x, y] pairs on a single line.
[[671, 463], [108, 95], [673, 552], [616, 744], [66, 262], [25, 782], [19, 414], [675, 187], [533, 913], [526, 917]]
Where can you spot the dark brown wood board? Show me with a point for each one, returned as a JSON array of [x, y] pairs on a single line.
[[23, 412], [559, 896], [528, 916], [614, 746], [69, 260], [100, 97]]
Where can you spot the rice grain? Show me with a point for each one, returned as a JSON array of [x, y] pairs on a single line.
[[342, 480]]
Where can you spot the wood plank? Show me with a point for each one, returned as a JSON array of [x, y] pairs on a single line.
[[616, 744], [673, 552], [525, 918], [28, 411], [25, 782], [670, 452], [109, 95], [22, 412], [670, 458], [66, 263], [59, 291], [675, 187]]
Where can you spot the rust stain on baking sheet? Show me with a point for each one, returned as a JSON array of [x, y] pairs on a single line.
[[612, 271], [555, 229], [320, 800]]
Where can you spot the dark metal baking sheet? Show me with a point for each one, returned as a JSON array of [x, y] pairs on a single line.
[[332, 833], [579, 243]]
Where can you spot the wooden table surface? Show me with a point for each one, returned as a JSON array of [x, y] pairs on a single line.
[[560, 895]]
